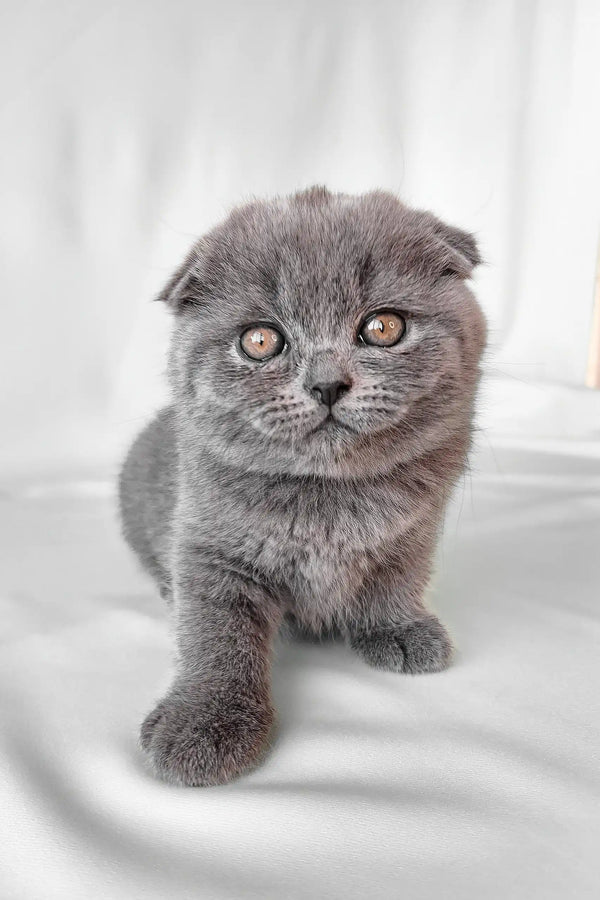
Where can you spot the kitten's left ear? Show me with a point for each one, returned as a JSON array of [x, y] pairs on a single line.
[[462, 252], [184, 289]]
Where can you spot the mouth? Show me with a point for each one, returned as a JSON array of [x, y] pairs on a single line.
[[332, 424]]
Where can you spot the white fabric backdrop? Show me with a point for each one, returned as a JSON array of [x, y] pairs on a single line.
[[126, 128]]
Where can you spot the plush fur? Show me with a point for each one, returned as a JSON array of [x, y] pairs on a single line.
[[250, 504]]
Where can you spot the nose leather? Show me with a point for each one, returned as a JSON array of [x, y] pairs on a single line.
[[330, 393]]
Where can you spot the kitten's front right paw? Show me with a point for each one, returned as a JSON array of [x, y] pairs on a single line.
[[206, 741]]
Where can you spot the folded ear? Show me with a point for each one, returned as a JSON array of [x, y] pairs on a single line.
[[464, 253], [184, 288]]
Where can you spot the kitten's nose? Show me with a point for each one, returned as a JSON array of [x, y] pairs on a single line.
[[330, 393]]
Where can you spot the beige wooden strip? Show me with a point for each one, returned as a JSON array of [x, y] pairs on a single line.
[[593, 370]]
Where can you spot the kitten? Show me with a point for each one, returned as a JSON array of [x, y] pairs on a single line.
[[323, 367]]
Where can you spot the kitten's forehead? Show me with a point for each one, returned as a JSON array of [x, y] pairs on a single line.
[[315, 258], [311, 238], [307, 259]]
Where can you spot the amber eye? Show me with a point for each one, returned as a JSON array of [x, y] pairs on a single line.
[[383, 329], [261, 342]]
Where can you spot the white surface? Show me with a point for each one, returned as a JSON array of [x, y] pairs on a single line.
[[128, 127], [478, 782]]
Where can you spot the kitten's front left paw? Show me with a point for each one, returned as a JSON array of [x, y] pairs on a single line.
[[420, 646], [208, 742]]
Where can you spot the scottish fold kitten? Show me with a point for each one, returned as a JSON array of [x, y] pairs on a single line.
[[323, 368]]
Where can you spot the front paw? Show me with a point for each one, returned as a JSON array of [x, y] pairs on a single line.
[[197, 739], [420, 646]]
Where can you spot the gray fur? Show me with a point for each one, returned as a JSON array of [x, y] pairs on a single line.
[[246, 512]]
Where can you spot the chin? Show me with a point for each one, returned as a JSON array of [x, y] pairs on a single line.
[[333, 429]]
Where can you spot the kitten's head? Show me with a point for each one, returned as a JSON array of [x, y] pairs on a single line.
[[326, 334]]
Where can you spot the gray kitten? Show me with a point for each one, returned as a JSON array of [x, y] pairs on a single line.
[[323, 367]]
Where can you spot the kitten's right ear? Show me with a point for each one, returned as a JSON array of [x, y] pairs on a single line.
[[184, 289]]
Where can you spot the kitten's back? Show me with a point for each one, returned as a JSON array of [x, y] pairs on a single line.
[[147, 495]]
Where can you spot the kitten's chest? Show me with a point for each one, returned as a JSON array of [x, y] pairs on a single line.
[[323, 542], [316, 542]]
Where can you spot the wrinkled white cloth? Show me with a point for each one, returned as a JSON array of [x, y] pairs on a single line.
[[125, 130], [481, 781]]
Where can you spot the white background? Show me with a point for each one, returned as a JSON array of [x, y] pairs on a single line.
[[128, 128]]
